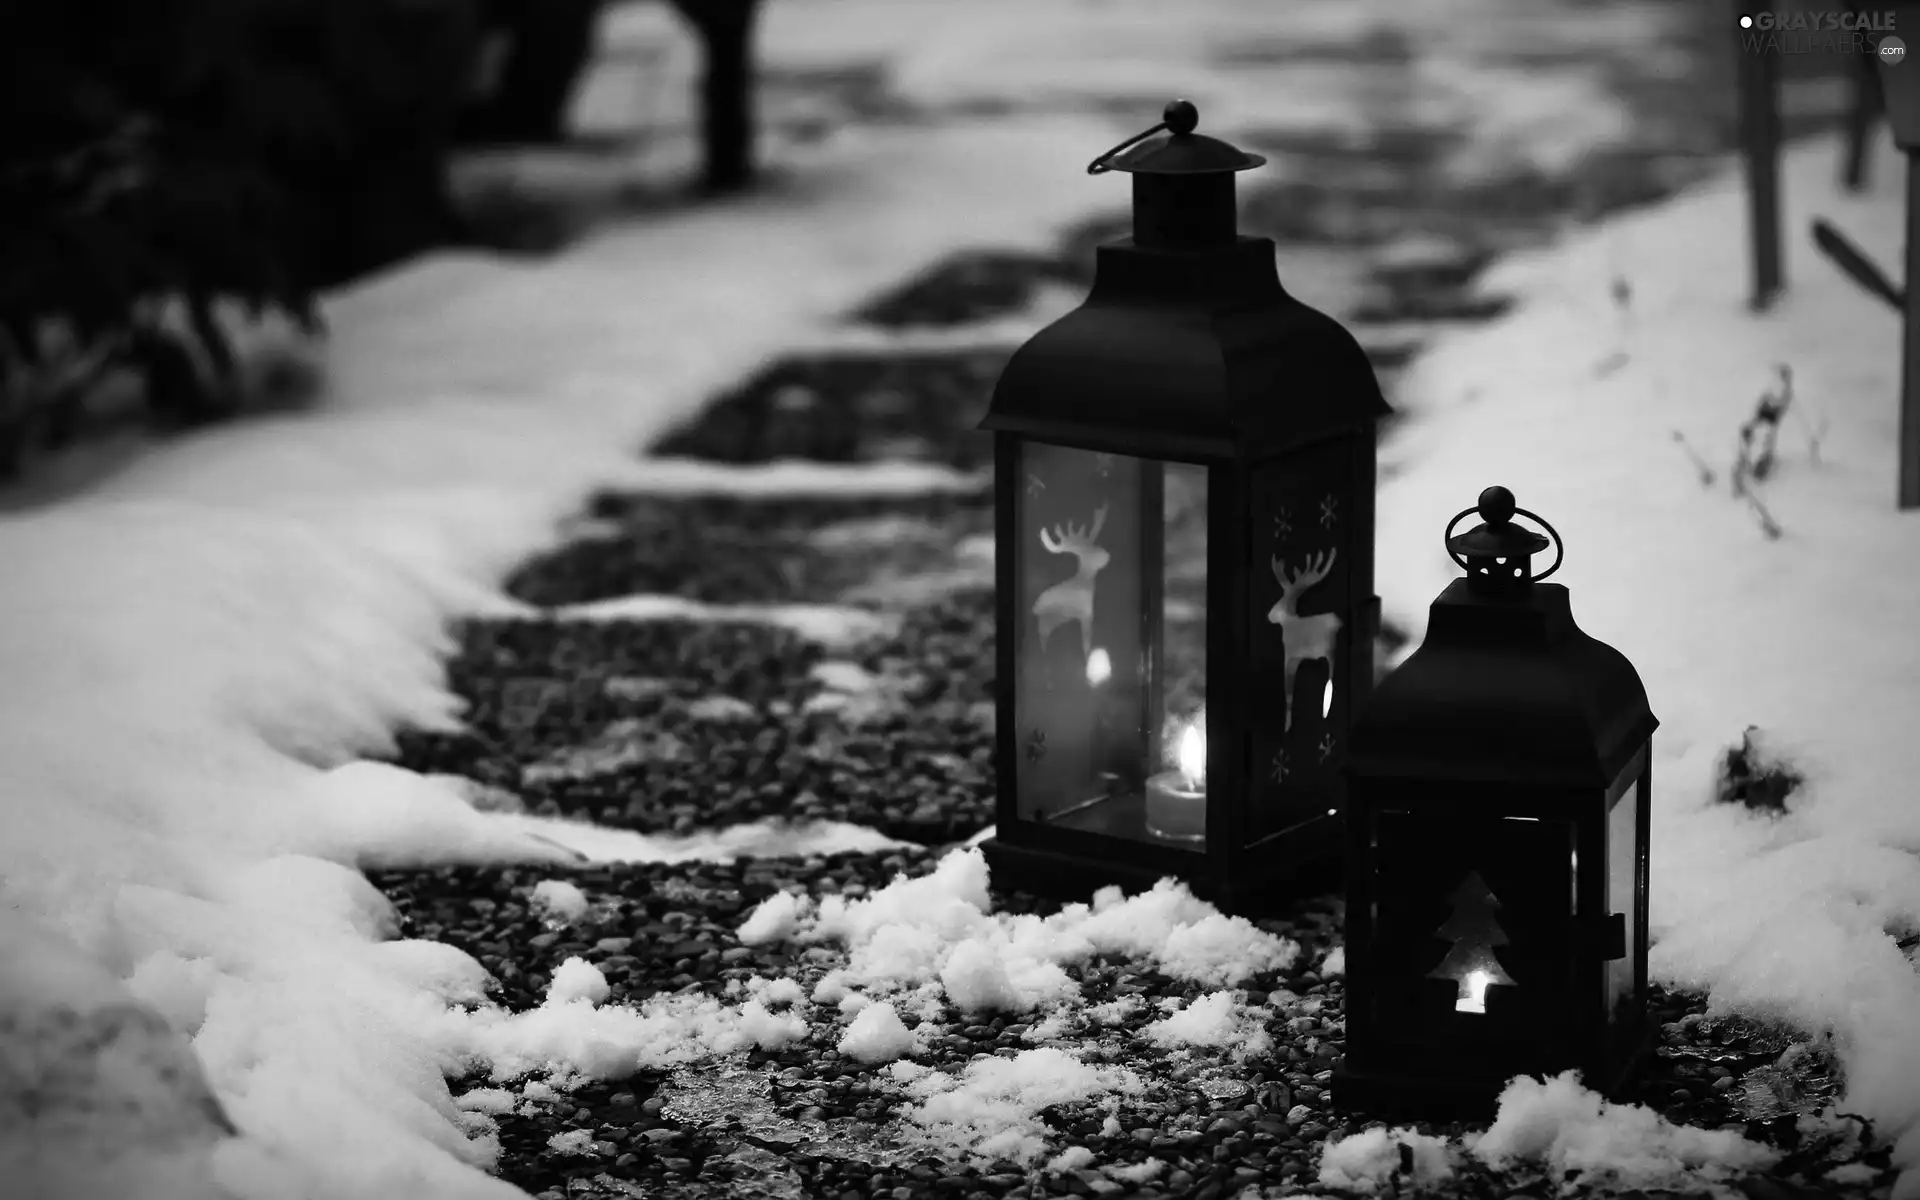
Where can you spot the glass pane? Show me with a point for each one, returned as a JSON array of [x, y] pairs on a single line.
[[1623, 893], [1469, 941], [1181, 763], [1301, 664], [1111, 649]]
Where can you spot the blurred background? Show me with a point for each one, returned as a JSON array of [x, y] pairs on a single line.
[[175, 167]]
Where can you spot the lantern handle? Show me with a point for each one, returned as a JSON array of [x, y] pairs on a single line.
[[1178, 118], [1099, 165], [1559, 545]]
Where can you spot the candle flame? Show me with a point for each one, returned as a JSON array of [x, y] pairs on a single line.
[[1473, 997], [1192, 755], [1099, 666]]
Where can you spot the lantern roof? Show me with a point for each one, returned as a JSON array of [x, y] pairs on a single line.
[[1505, 688], [1497, 536], [1187, 346], [1197, 355], [1180, 152]]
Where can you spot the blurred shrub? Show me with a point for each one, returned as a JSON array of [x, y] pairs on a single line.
[[158, 157]]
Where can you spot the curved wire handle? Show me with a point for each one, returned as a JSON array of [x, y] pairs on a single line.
[[1099, 165], [1559, 545]]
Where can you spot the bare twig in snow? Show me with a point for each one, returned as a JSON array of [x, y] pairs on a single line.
[[1699, 463], [1768, 525], [1754, 460]]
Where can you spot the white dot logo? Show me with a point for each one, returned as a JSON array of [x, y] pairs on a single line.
[[1746, 22], [1892, 50]]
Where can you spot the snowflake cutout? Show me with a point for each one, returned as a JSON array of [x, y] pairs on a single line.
[[1278, 771], [1282, 525], [1326, 746], [1036, 746], [1104, 464], [1035, 484], [1327, 506]]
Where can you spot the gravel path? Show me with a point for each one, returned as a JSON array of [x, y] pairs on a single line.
[[668, 726]]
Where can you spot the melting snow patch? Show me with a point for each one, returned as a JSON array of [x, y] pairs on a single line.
[[578, 979], [1217, 1019], [828, 624], [1367, 1160], [1566, 1127], [559, 901], [577, 1142], [721, 708], [486, 1100], [935, 928], [775, 919], [876, 1035], [992, 1109]]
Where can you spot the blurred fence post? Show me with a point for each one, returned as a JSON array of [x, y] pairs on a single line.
[[1900, 88], [1759, 88], [1864, 105]]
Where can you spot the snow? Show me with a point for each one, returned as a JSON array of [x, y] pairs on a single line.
[[830, 624], [1809, 637], [876, 1035], [572, 1142], [991, 1109], [1140, 1172], [1218, 1020], [937, 927], [558, 900], [493, 1101], [1371, 1158], [577, 979], [774, 919], [1568, 1128]]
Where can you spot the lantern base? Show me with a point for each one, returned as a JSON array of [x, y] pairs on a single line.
[[1389, 1094], [1386, 1094], [1315, 868]]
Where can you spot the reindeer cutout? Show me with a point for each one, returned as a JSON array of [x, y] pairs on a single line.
[[1306, 638], [1071, 600]]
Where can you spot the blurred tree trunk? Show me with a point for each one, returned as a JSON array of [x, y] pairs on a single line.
[[726, 88]]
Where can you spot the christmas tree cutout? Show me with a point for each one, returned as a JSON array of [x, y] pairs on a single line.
[[1474, 929]]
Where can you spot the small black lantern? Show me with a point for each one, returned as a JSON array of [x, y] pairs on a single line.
[[1496, 918], [1184, 477]]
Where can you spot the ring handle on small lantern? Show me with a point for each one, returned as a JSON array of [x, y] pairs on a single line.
[[1559, 545], [1180, 117]]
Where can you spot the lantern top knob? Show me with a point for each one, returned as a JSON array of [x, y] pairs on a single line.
[[1181, 152], [1497, 540], [1496, 506], [1180, 116]]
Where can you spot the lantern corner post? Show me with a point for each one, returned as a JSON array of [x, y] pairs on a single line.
[[1228, 741], [1006, 624]]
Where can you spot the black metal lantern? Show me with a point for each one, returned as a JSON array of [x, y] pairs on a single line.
[[1184, 475], [1496, 918]]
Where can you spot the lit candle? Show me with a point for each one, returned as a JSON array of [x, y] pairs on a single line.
[[1177, 799]]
